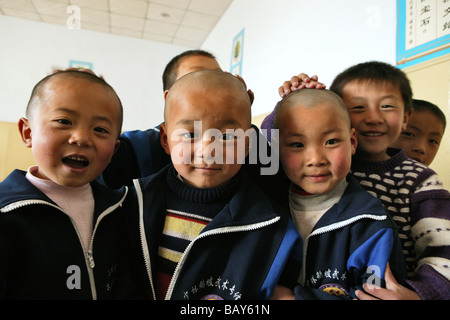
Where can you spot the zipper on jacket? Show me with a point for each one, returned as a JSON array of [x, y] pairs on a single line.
[[223, 230], [329, 228], [146, 253], [88, 254], [144, 245], [88, 258]]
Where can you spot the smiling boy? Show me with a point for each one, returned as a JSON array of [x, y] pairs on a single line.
[[71, 157], [61, 233], [206, 231], [346, 232], [423, 135], [378, 97]]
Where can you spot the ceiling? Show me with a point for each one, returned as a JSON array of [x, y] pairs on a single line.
[[178, 22]]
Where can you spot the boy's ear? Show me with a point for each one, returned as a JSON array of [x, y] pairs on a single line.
[[116, 146], [25, 131], [164, 138], [405, 119], [353, 140]]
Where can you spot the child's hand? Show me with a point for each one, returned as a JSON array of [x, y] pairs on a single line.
[[300, 82], [393, 291], [282, 293]]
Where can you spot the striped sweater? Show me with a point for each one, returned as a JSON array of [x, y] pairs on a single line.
[[419, 204], [189, 210]]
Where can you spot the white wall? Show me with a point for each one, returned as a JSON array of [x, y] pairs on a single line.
[[285, 37], [29, 50], [282, 38]]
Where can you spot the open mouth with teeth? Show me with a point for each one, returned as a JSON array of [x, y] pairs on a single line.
[[373, 134], [76, 162]]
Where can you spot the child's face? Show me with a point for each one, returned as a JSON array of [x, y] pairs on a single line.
[[316, 146], [377, 112], [422, 137], [196, 116], [73, 132]]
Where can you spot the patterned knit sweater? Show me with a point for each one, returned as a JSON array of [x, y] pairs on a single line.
[[418, 203], [189, 210]]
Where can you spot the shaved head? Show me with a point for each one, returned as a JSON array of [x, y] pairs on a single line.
[[309, 98], [39, 93], [207, 82]]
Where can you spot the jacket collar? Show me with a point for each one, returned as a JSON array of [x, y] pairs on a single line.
[[16, 187], [249, 205], [355, 202]]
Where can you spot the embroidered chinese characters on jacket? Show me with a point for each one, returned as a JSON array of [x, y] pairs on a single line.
[[328, 280], [214, 289]]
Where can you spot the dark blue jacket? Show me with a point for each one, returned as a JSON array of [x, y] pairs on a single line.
[[41, 255], [240, 254], [351, 244]]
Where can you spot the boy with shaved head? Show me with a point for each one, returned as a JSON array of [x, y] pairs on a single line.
[[348, 238], [207, 230], [61, 232]]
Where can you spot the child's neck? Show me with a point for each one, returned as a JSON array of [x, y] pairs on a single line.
[[304, 201], [77, 202]]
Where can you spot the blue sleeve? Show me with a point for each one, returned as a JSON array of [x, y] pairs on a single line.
[[368, 262], [285, 268]]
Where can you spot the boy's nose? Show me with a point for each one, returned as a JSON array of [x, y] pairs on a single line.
[[374, 116], [206, 149], [419, 148], [81, 138], [315, 158]]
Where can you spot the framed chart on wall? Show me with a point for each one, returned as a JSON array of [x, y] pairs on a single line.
[[237, 52], [423, 30], [81, 64]]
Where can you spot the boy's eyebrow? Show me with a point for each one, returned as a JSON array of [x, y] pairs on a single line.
[[185, 122], [191, 122], [74, 112], [390, 96], [434, 133], [362, 98], [332, 130]]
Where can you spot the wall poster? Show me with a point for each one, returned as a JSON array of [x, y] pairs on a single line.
[[237, 54], [423, 30]]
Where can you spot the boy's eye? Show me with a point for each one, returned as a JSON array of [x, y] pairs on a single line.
[[101, 130], [296, 145], [64, 121], [357, 108], [188, 135], [432, 141], [408, 134], [227, 136], [387, 106], [331, 142]]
